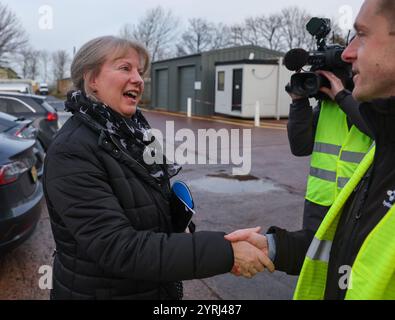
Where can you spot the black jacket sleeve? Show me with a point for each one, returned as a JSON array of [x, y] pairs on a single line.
[[351, 108], [291, 249], [302, 123], [77, 187], [313, 215], [303, 120]]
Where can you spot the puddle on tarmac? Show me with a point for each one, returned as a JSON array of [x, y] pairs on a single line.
[[229, 177], [222, 183]]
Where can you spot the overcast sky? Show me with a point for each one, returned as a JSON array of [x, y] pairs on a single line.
[[75, 22]]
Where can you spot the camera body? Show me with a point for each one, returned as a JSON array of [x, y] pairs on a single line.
[[326, 57]]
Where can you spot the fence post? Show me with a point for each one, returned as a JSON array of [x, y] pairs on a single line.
[[279, 87], [257, 114], [189, 108]]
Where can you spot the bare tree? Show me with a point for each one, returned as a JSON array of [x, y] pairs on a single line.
[[293, 29], [60, 62], [337, 35], [221, 37], [44, 60], [29, 62], [261, 31], [280, 31], [12, 35], [34, 69], [252, 34], [238, 35], [197, 38], [24, 61], [269, 28], [157, 30]]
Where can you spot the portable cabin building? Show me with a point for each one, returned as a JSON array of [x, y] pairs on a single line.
[[244, 88], [173, 81]]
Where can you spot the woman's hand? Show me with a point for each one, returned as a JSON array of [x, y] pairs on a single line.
[[250, 251]]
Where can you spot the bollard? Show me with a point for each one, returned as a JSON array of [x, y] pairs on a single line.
[[189, 108], [257, 114]]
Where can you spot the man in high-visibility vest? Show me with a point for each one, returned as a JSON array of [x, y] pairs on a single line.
[[337, 138], [352, 255]]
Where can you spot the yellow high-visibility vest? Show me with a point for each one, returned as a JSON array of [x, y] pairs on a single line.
[[336, 155], [372, 275]]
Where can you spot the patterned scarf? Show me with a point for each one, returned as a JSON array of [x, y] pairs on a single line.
[[134, 134]]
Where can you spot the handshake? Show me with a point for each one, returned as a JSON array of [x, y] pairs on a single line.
[[251, 252]]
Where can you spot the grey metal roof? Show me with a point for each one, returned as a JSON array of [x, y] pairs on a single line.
[[178, 58], [263, 49], [269, 52], [245, 61]]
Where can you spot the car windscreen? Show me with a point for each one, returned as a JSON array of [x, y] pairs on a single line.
[[48, 107], [35, 104], [44, 104]]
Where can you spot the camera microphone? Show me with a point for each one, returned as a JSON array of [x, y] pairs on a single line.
[[296, 59]]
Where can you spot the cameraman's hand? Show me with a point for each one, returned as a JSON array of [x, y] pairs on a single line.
[[292, 93], [336, 84], [295, 97]]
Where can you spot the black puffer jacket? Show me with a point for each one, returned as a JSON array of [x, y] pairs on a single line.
[[112, 227]]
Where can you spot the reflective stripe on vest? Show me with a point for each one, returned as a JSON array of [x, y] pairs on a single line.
[[355, 157], [341, 182], [336, 154], [327, 148], [354, 150], [373, 271], [319, 250], [323, 174]]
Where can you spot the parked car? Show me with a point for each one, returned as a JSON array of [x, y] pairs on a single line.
[[23, 129], [33, 107], [18, 127], [56, 103], [43, 89], [21, 191], [16, 85]]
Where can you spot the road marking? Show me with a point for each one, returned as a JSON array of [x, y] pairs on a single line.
[[242, 123]]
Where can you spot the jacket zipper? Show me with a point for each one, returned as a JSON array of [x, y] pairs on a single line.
[[355, 218]]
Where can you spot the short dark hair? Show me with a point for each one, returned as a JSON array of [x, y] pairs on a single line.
[[387, 9]]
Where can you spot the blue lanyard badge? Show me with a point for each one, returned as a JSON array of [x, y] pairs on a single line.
[[182, 206]]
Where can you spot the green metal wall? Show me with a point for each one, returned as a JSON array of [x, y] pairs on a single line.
[[204, 64], [174, 66]]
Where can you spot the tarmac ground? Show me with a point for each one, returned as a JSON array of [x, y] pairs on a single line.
[[270, 195]]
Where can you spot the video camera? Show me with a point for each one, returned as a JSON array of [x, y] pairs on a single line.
[[326, 57]]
